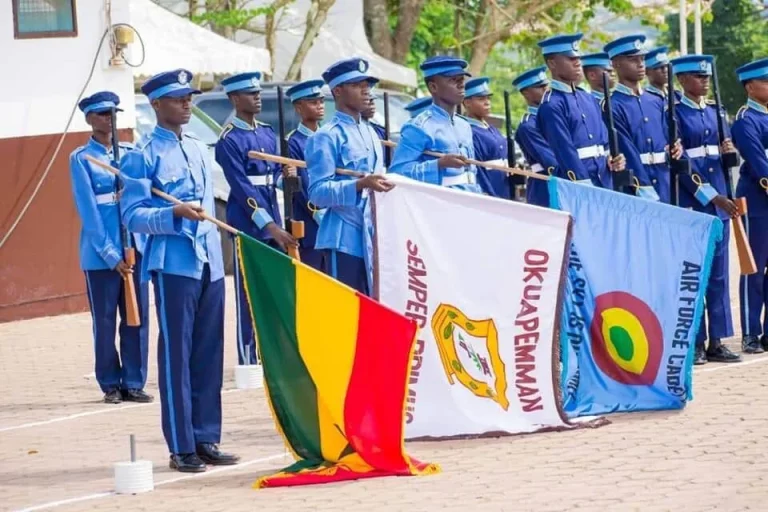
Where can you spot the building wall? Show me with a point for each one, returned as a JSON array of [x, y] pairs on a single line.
[[39, 267]]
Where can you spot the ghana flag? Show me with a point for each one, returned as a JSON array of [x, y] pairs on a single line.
[[336, 367], [637, 274]]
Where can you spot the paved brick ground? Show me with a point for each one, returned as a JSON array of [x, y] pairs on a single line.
[[712, 456]]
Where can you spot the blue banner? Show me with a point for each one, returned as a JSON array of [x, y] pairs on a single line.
[[634, 298]]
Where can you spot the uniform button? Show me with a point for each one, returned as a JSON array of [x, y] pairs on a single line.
[[711, 170], [590, 135], [653, 181], [649, 140], [583, 116], [645, 119], [706, 132]]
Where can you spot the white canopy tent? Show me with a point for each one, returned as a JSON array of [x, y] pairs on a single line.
[[171, 42]]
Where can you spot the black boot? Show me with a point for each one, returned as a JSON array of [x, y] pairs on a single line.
[[113, 396], [210, 454], [719, 353], [186, 463], [751, 345], [764, 341], [699, 356]]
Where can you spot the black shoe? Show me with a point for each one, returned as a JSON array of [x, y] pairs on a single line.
[[764, 342], [751, 345], [719, 353], [113, 396], [136, 395], [210, 454], [186, 463], [699, 357]]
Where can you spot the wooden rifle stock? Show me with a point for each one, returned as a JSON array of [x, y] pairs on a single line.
[[290, 184]]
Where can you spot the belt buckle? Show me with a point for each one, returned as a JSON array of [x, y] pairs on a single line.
[[707, 151], [470, 178]]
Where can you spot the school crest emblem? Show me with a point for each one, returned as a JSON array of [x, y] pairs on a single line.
[[183, 78]]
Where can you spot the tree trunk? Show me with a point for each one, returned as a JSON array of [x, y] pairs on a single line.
[[376, 18], [270, 39], [316, 16], [481, 50], [485, 25], [407, 20]]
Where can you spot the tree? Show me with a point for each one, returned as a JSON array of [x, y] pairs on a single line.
[[316, 16], [735, 33]]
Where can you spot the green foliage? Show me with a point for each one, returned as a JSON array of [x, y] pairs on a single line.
[[235, 18], [735, 34]]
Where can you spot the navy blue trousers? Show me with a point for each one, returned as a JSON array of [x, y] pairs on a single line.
[[348, 269], [190, 358], [753, 289], [537, 192], [314, 258], [106, 297], [718, 299]]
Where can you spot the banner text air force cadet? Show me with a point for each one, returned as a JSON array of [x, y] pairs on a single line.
[[309, 103], [489, 144], [750, 135], [439, 129], [101, 258], [640, 123], [570, 119], [346, 141], [704, 191], [252, 205], [183, 257], [532, 85]]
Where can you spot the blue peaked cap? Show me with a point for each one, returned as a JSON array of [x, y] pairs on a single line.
[[562, 44], [755, 69], [173, 84], [628, 45], [444, 65], [242, 82], [531, 78], [657, 57], [696, 64], [477, 87], [418, 105], [100, 102], [348, 71], [307, 90], [598, 60]]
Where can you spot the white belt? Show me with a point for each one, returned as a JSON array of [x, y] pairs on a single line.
[[653, 158], [591, 152], [766, 153], [461, 179], [501, 161], [109, 198], [702, 151], [260, 180], [537, 168]]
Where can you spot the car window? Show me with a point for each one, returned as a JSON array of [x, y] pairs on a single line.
[[219, 109]]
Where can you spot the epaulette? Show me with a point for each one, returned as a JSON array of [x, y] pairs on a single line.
[[262, 123], [742, 112], [547, 96], [525, 118], [602, 104], [422, 118], [290, 134], [144, 142], [228, 128]]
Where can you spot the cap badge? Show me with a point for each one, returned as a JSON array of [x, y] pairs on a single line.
[[183, 78]]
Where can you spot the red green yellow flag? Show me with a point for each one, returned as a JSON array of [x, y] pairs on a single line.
[[336, 366]]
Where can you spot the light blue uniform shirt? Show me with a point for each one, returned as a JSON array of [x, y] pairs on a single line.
[[94, 190], [436, 130], [342, 143], [181, 168]]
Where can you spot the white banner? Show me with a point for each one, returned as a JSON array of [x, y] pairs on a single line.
[[482, 277]]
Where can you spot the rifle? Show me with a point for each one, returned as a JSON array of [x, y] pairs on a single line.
[[515, 180], [133, 318], [290, 185], [387, 150], [728, 161], [681, 166], [621, 179]]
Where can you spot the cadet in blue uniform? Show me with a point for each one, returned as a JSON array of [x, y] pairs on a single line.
[[439, 129], [750, 135], [656, 61], [704, 191], [532, 85], [346, 142], [183, 257], [594, 65], [570, 118], [418, 106], [101, 258], [489, 144], [252, 205], [640, 123], [368, 116], [309, 102]]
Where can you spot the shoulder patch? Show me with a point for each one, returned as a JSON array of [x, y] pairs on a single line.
[[742, 112], [227, 129], [422, 118]]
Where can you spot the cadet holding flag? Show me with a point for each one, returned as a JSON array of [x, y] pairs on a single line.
[[570, 119], [750, 135], [438, 128], [184, 258], [252, 205], [309, 102], [489, 144], [594, 66], [704, 190], [346, 142], [532, 85], [101, 258]]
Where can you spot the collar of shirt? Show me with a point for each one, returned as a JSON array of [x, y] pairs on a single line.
[[655, 90], [162, 133], [533, 110], [98, 147], [441, 112], [750, 103], [597, 94], [475, 122], [623, 89], [561, 86], [688, 101], [243, 125], [346, 118], [304, 130]]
